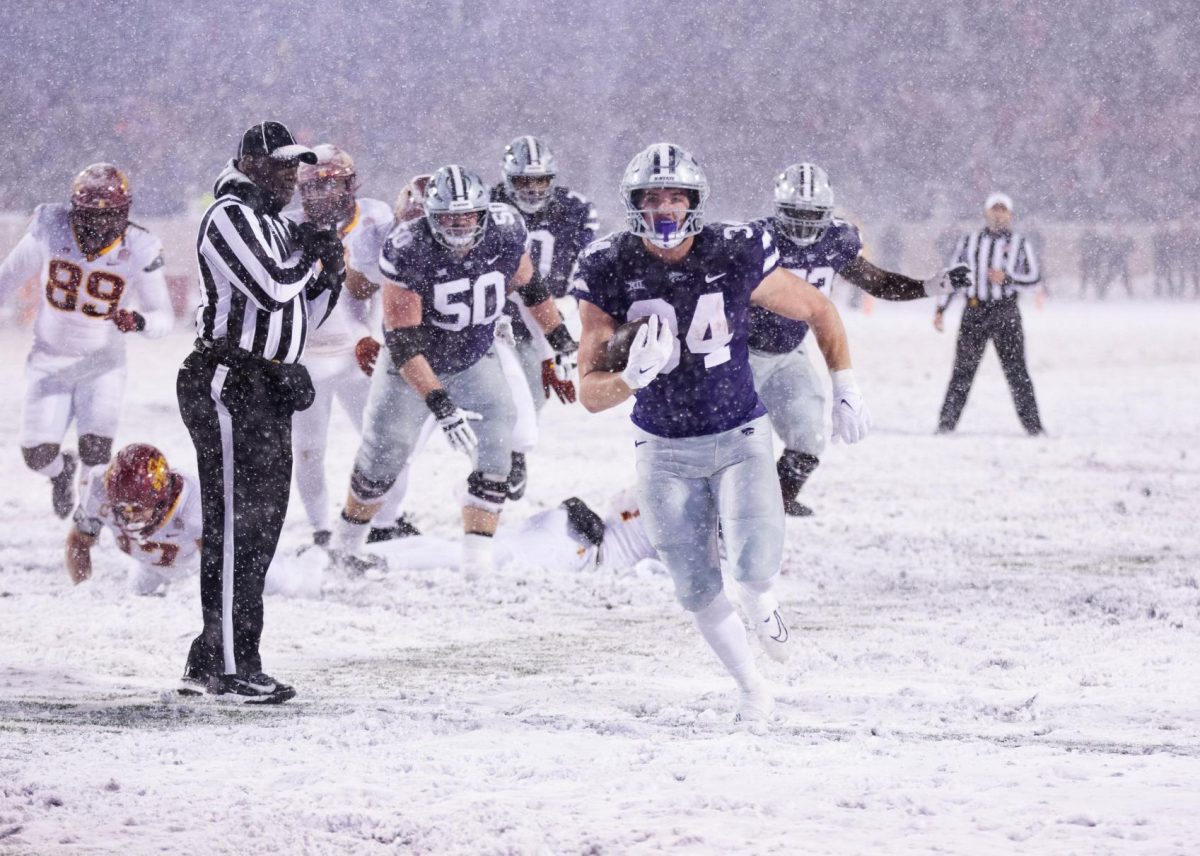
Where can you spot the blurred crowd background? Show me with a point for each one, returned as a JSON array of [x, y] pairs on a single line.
[[1088, 114]]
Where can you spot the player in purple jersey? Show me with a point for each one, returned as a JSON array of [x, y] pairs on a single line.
[[702, 440], [447, 276], [560, 224], [816, 246]]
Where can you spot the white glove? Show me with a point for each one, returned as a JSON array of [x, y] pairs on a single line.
[[949, 280], [565, 366], [651, 350], [454, 421], [851, 418], [459, 432], [504, 331]]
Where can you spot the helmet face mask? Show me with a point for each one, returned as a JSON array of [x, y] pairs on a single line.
[[664, 166], [456, 207], [140, 487], [529, 171], [327, 187], [100, 202], [803, 203]]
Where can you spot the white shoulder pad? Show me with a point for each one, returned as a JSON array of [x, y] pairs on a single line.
[[373, 211]]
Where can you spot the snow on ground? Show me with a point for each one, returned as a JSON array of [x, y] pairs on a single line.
[[998, 639]]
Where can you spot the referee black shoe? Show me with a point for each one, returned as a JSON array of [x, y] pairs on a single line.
[[257, 688], [402, 528]]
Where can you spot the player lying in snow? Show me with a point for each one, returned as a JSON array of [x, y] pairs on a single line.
[[574, 537], [153, 512]]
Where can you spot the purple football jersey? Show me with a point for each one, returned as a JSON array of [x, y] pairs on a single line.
[[818, 263], [706, 387], [461, 296]]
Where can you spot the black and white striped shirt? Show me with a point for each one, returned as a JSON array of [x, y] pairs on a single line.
[[1009, 251], [255, 276]]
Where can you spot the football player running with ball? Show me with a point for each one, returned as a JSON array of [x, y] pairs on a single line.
[[702, 441], [448, 275], [91, 260]]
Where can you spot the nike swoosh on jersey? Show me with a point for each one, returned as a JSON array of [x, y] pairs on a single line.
[[492, 261], [708, 278]]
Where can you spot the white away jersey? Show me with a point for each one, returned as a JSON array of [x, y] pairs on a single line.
[[546, 540], [170, 549], [81, 295], [350, 319]]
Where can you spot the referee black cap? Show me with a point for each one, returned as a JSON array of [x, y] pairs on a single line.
[[276, 141]]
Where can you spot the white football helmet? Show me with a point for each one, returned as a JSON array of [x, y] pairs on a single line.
[[451, 192], [803, 202], [664, 165]]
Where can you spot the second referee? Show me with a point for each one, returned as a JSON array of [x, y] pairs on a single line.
[[265, 280]]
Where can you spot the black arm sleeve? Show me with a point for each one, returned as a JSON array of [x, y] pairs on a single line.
[[404, 343], [533, 292], [880, 283]]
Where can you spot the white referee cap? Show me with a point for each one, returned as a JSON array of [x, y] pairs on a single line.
[[998, 198]]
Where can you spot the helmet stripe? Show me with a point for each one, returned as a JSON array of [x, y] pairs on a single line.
[[534, 156], [456, 183]]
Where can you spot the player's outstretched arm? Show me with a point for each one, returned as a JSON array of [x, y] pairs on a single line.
[[598, 390], [79, 555], [888, 285]]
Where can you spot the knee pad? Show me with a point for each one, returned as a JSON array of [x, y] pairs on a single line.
[[39, 457], [366, 490], [95, 450], [486, 491]]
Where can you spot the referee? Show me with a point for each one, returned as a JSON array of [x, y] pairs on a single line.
[[265, 279], [1003, 263]]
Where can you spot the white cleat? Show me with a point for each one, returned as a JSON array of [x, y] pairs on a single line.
[[773, 635], [755, 705]]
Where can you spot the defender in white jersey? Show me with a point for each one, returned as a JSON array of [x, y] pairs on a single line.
[[153, 513], [339, 354], [574, 537], [92, 263]]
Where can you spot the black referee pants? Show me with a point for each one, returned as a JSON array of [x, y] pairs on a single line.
[[999, 321], [240, 419]]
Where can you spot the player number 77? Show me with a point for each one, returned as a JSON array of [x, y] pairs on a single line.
[[708, 334]]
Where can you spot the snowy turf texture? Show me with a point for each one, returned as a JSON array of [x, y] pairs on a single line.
[[997, 646]]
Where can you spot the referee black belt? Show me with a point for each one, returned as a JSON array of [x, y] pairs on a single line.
[[230, 355]]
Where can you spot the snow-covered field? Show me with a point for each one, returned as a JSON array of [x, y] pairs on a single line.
[[999, 639]]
